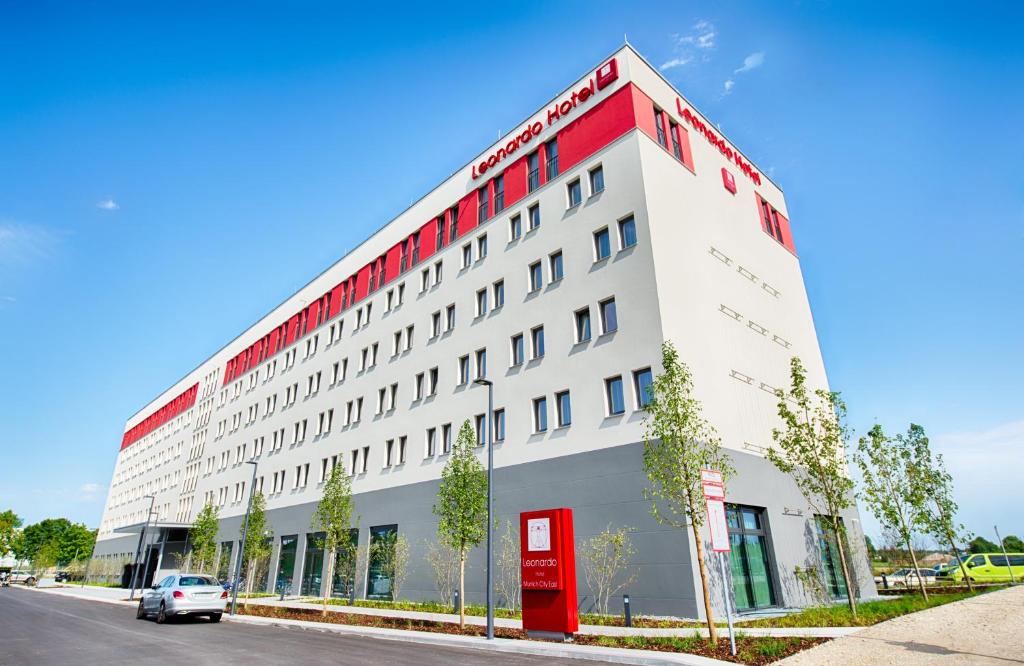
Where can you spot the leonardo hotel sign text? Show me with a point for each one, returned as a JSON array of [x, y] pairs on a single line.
[[718, 142]]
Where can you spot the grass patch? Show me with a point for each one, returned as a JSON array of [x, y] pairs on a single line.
[[868, 612]]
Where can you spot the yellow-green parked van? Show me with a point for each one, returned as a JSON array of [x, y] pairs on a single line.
[[990, 568]]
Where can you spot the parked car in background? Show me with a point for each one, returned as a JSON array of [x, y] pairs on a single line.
[[61, 577], [991, 568], [183, 594], [907, 577], [24, 577]]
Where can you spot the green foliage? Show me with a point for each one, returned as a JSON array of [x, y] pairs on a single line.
[[462, 497], [868, 612], [892, 485], [811, 448], [333, 517], [46, 555], [203, 537], [259, 542], [1013, 544], [72, 540], [606, 564], [391, 553], [9, 524], [678, 444], [981, 545]]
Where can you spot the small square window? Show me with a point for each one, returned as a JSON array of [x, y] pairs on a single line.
[[557, 267], [602, 244], [536, 276], [643, 384], [564, 408], [627, 232], [609, 318], [575, 191], [613, 395], [540, 414], [596, 180], [515, 227]]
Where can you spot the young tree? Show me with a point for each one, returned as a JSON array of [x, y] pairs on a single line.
[[9, 524], [462, 504], [892, 489], [1013, 544], [333, 517], [939, 517], [257, 541], [391, 553], [606, 559], [980, 544], [678, 444], [508, 583], [443, 559], [46, 556], [203, 535], [811, 447]]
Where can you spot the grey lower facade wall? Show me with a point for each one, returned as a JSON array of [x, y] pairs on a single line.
[[603, 488]]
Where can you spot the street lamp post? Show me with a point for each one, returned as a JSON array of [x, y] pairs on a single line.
[[245, 533], [489, 424], [138, 550]]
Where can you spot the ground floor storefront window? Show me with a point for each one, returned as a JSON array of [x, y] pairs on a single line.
[[225, 563], [378, 578], [343, 579], [752, 583], [313, 564], [286, 563], [831, 564]]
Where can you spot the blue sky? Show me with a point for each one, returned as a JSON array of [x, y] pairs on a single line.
[[168, 174]]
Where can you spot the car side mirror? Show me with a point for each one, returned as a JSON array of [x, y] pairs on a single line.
[[155, 587]]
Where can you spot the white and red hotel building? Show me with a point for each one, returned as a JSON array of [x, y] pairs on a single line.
[[555, 263]]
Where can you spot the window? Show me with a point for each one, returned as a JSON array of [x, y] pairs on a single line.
[[408, 336], [536, 276], [582, 318], [450, 318], [393, 397], [537, 337], [499, 194], [627, 232], [602, 244], [389, 453], [440, 232], [557, 268], [499, 425], [551, 157], [437, 272], [642, 384], [453, 229], [575, 191], [613, 393], [401, 293], [515, 227], [418, 387], [482, 211], [533, 215], [609, 319], [446, 438], [660, 127], [381, 395], [673, 131], [533, 171], [499, 294], [435, 324], [396, 346], [424, 280], [431, 444], [751, 577], [828, 548], [481, 247], [467, 255], [596, 180], [540, 414], [401, 449], [564, 409], [463, 370], [366, 458], [478, 429], [481, 363], [518, 352], [355, 461], [481, 303], [771, 221]]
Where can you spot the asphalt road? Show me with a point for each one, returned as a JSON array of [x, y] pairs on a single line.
[[40, 628]]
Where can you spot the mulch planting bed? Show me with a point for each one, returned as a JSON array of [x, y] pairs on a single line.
[[757, 650]]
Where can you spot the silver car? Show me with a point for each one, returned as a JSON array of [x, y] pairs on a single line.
[[183, 594]]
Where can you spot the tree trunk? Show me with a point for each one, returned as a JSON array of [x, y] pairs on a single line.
[[920, 578], [462, 589], [712, 630], [248, 583], [329, 583], [851, 595], [956, 551]]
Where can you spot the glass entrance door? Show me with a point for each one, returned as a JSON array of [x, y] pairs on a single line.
[[751, 568], [286, 563], [313, 564], [378, 578]]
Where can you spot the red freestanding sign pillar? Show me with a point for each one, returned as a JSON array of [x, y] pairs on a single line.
[[548, 559]]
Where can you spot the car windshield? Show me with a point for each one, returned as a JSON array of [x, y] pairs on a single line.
[[192, 581]]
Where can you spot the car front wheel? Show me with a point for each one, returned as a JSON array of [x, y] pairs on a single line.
[[161, 615], [140, 614]]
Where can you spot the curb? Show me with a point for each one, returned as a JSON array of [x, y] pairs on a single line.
[[505, 645]]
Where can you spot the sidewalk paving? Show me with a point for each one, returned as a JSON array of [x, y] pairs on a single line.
[[988, 629]]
